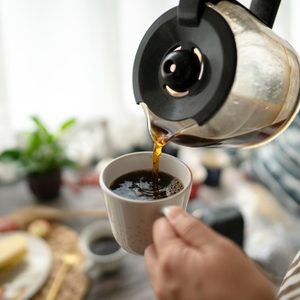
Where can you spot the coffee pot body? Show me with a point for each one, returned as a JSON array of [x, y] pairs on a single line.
[[214, 74]]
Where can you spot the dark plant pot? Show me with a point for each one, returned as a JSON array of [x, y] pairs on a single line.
[[45, 186]]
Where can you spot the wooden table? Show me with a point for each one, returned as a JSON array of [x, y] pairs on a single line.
[[131, 282]]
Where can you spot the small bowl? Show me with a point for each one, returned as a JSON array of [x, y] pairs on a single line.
[[98, 264]]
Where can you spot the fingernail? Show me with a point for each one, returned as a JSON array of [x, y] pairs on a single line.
[[172, 213]]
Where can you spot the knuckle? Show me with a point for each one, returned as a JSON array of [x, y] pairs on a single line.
[[159, 292], [148, 262], [166, 289], [159, 289], [168, 260], [148, 251], [190, 228], [166, 263]]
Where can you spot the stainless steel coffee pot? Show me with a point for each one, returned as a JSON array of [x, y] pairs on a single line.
[[213, 73]]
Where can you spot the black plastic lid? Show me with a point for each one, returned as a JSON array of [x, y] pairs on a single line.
[[166, 58]]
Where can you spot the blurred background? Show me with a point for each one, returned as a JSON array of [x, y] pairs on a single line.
[[66, 58], [69, 63]]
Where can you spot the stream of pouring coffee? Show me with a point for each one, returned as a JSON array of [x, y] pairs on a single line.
[[160, 139], [157, 150], [158, 145]]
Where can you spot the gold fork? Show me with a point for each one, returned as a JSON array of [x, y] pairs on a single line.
[[68, 260]]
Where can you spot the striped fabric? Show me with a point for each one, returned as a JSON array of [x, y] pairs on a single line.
[[290, 287]]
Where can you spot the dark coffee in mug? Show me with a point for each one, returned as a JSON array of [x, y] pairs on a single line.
[[104, 245], [143, 185]]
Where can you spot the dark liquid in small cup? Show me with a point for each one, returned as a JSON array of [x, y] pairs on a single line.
[[104, 245], [141, 185]]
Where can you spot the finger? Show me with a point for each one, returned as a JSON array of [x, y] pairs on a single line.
[[187, 227], [150, 253], [163, 233], [151, 260]]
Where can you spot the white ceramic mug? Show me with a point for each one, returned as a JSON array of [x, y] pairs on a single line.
[[98, 264], [132, 220]]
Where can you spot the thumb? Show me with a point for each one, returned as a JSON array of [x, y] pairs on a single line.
[[187, 227]]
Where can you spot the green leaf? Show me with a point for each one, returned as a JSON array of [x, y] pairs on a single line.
[[34, 141], [67, 124], [41, 150], [42, 131], [10, 155], [40, 125], [69, 163]]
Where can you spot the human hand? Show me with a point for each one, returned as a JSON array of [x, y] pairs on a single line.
[[189, 261]]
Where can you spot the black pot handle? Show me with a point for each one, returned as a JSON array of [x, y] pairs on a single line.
[[265, 10], [189, 11]]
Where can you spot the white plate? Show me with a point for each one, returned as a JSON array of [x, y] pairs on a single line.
[[25, 280]]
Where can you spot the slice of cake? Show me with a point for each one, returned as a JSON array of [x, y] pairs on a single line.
[[13, 249]]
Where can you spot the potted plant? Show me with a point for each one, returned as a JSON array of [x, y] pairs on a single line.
[[42, 158]]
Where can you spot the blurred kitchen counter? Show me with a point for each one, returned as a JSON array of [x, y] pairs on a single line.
[[271, 233], [130, 282]]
